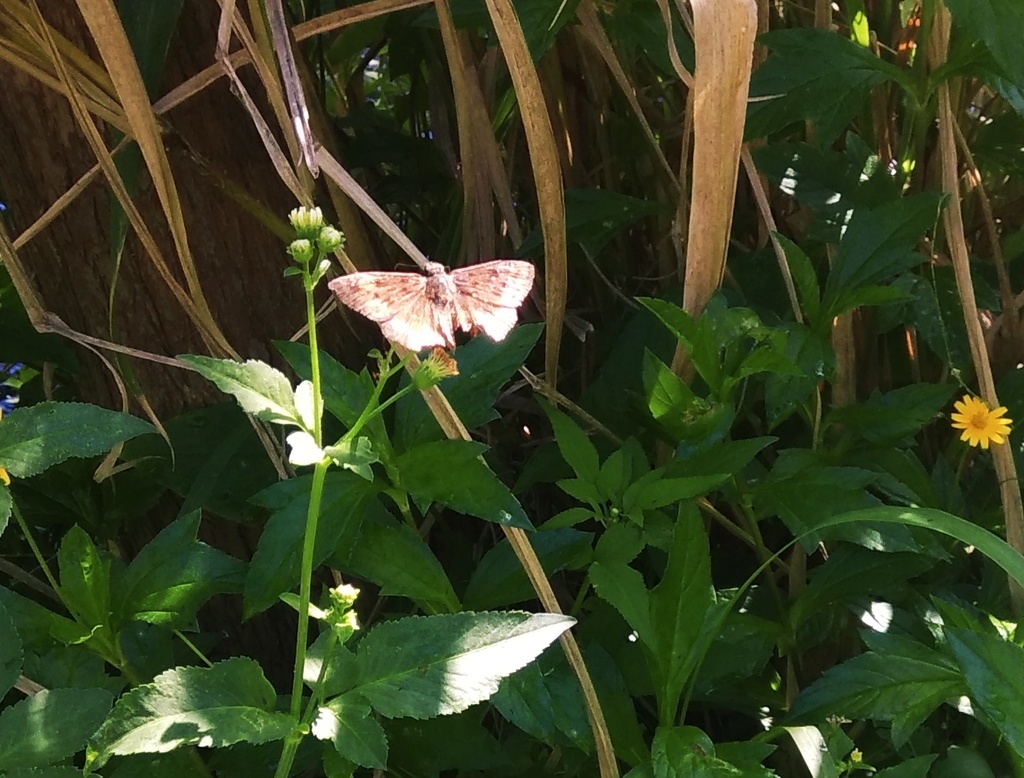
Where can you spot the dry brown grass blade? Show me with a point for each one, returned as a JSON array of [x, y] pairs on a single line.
[[281, 40], [724, 41], [24, 46], [598, 38], [477, 222], [106, 162], [334, 171], [547, 174], [105, 26], [673, 54], [1002, 456]]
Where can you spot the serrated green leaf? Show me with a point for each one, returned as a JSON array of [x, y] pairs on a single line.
[[436, 665], [85, 578], [262, 391], [348, 723], [679, 606], [877, 244], [345, 392], [499, 578], [668, 397], [38, 437], [10, 652], [896, 415], [451, 472], [50, 726], [231, 702], [574, 444], [992, 668], [917, 767], [175, 574], [623, 588], [275, 564], [544, 700], [696, 336], [816, 75], [903, 684], [995, 24], [355, 455], [394, 557]]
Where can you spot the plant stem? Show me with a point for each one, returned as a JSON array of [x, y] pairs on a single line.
[[314, 362], [291, 744]]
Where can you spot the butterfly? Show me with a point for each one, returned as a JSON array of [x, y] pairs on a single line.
[[423, 311]]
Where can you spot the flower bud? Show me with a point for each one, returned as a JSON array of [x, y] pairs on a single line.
[[435, 368], [301, 250], [329, 239], [306, 221]]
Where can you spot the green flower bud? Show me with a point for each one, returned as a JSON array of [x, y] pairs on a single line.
[[329, 239], [301, 250]]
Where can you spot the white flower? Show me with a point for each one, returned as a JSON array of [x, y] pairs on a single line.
[[304, 450]]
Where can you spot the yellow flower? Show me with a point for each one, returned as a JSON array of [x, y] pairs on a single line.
[[980, 424], [3, 471]]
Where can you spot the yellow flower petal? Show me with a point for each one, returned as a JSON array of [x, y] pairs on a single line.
[[980, 424], [4, 477]]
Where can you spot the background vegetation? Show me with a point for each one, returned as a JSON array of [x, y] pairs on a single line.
[[719, 438]]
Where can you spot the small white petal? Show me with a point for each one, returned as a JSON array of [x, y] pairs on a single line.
[[304, 403], [304, 450]]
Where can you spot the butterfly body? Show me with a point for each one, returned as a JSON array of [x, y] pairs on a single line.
[[423, 311]]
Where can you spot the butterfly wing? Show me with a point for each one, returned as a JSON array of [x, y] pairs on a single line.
[[398, 302], [489, 294]]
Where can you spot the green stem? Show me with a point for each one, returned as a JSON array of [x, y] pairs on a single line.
[[302, 633], [314, 361], [35, 549]]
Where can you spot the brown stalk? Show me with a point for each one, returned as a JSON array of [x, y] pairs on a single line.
[[104, 24], [724, 39], [1002, 456], [547, 174]]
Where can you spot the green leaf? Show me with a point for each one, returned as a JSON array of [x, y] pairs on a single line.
[[175, 574], [50, 726], [917, 767], [275, 564], [574, 444], [484, 368], [995, 548], [697, 337], [348, 723], [451, 472], [345, 393], [669, 399], [879, 243], [814, 75], [11, 656], [544, 700], [355, 455], [995, 24], [895, 416], [593, 217], [6, 504], [38, 437], [231, 702], [436, 665], [901, 681], [854, 572], [84, 578], [261, 390], [394, 557], [219, 461], [992, 668], [662, 492], [679, 605], [499, 578], [623, 588], [804, 278], [812, 353]]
